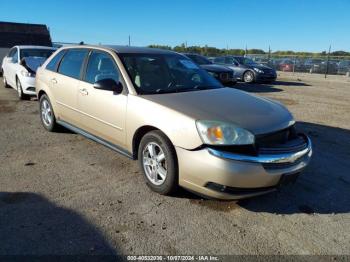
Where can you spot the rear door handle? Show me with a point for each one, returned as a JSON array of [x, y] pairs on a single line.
[[83, 92], [54, 80]]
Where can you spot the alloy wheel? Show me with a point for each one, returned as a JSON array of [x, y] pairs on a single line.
[[46, 112], [248, 77], [154, 163]]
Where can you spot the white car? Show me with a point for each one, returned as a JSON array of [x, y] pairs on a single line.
[[20, 65]]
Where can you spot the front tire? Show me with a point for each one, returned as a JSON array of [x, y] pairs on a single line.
[[158, 161], [20, 93], [47, 116], [6, 85], [248, 77]]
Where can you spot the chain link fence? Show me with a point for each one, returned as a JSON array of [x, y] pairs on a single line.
[[327, 65]]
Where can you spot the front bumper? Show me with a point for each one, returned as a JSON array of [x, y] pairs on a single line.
[[226, 175], [28, 85]]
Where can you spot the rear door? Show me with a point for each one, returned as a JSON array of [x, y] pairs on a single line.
[[65, 84], [102, 112]]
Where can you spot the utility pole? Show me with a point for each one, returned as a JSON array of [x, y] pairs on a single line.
[[246, 50], [329, 53], [129, 40], [269, 56]]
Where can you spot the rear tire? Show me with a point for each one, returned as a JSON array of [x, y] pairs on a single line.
[[47, 116], [20, 93], [158, 162], [248, 77]]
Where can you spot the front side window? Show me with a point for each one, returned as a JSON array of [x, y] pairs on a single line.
[[248, 61], [72, 62], [230, 61], [101, 66], [219, 60], [166, 73], [53, 64]]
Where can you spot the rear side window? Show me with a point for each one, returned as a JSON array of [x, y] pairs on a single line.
[[53, 64], [72, 62], [101, 66]]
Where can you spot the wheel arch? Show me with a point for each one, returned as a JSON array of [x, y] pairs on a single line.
[[139, 133], [41, 93]]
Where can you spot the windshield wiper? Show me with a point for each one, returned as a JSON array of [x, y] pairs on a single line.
[[179, 90], [199, 87]]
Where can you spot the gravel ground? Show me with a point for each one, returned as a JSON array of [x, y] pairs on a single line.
[[63, 194]]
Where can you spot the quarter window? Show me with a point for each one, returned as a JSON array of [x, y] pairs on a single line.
[[72, 62], [101, 66], [53, 64]]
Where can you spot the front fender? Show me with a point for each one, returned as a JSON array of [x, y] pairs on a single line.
[[180, 129]]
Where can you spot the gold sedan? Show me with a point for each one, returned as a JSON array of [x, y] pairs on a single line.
[[182, 125]]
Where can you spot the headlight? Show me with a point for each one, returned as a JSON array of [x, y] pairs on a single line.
[[27, 74], [258, 70], [222, 133]]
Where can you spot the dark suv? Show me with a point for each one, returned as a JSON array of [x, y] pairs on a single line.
[[222, 73], [245, 69]]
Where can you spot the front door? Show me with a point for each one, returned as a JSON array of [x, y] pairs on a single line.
[[102, 112]]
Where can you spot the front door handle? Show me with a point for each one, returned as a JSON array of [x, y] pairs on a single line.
[[54, 80], [83, 92]]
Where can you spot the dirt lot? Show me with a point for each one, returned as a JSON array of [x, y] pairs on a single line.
[[63, 194]]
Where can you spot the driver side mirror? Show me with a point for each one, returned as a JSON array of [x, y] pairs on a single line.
[[109, 84]]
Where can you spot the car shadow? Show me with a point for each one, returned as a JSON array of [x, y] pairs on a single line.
[[324, 187], [31, 225], [288, 83]]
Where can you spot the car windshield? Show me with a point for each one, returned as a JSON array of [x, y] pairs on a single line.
[[35, 53], [166, 73], [245, 61], [200, 60]]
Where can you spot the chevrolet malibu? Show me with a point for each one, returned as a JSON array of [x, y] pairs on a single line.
[[179, 122]]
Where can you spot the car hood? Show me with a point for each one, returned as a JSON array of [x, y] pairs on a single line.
[[216, 68], [256, 114], [262, 67]]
